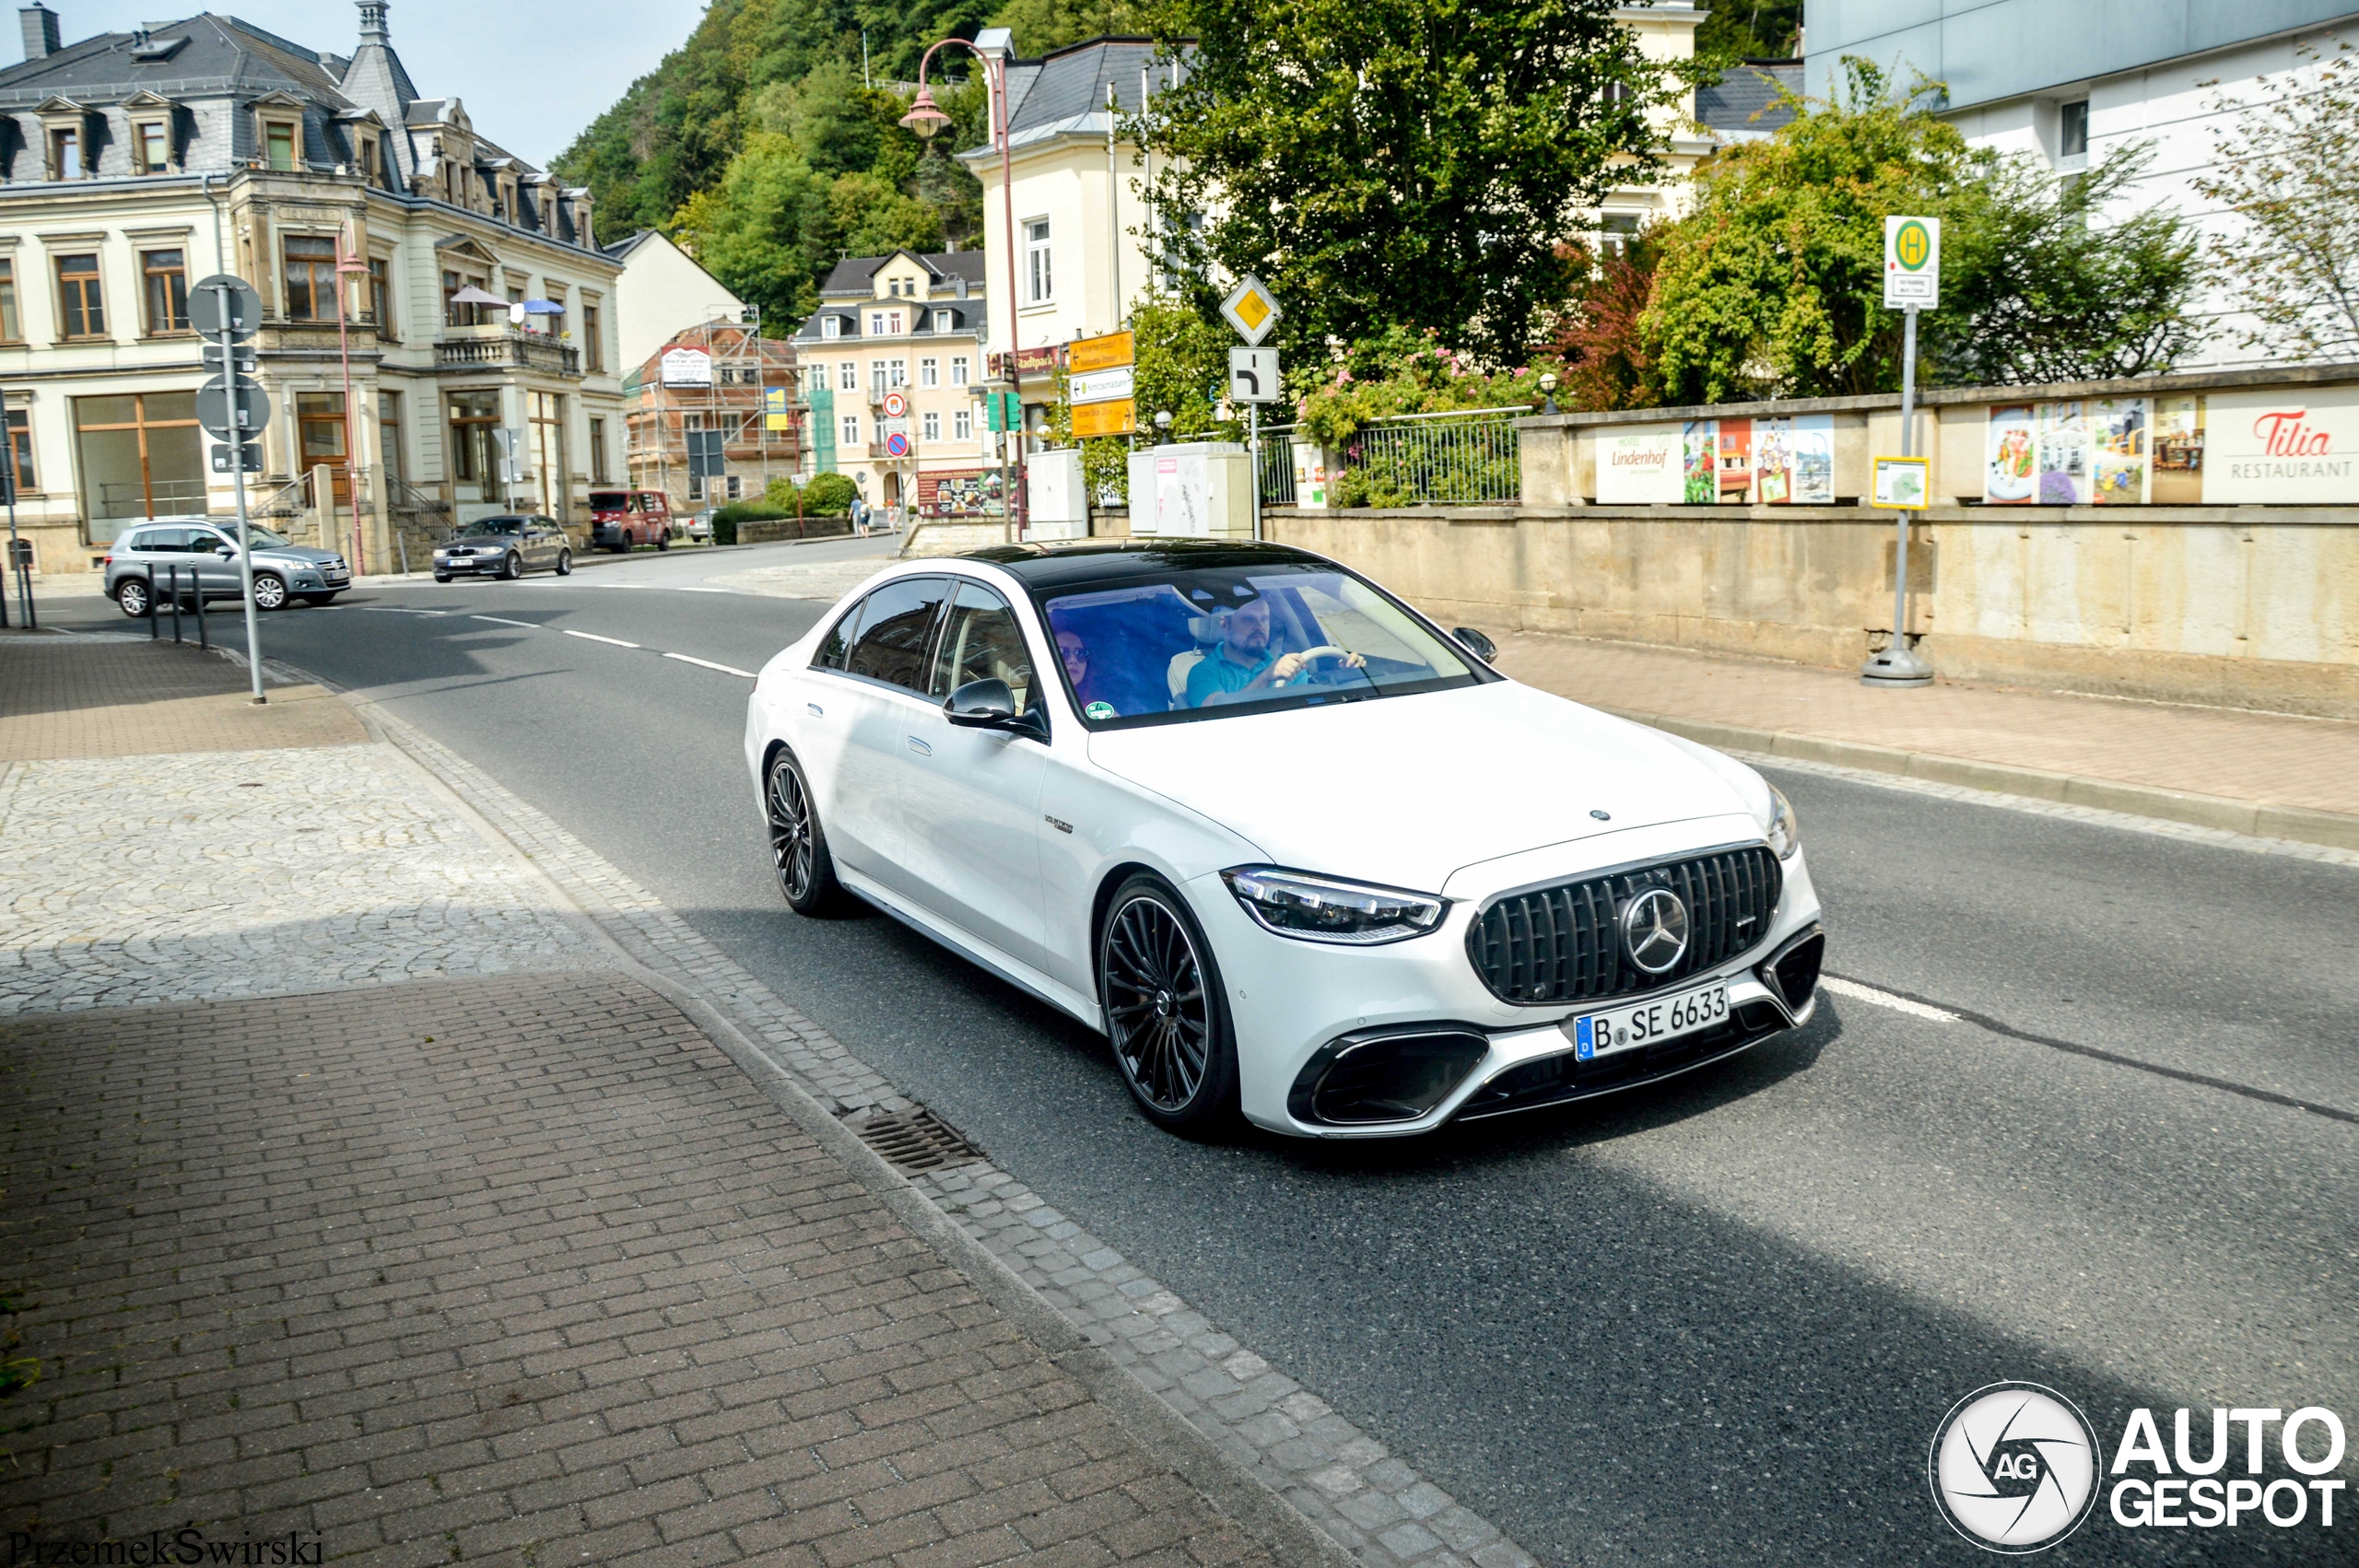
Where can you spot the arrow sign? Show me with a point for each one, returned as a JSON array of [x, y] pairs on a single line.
[[221, 298], [221, 412], [1253, 375], [1251, 310]]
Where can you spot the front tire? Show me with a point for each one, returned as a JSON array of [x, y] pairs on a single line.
[[806, 871], [270, 593], [441, 577], [564, 563], [1167, 1014], [512, 567], [131, 597]]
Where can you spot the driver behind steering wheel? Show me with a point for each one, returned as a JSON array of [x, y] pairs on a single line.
[[1243, 661]]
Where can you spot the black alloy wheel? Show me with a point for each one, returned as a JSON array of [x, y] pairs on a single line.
[[131, 595], [1165, 1012], [807, 872]]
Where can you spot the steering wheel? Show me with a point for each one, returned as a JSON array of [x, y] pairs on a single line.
[[1324, 651]]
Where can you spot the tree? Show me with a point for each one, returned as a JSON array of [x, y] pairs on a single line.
[[1600, 339], [1401, 162], [764, 228], [2288, 165], [1751, 30], [1042, 25], [1773, 282], [2044, 292]]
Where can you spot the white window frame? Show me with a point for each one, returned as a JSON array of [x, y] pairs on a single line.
[[876, 377], [942, 322], [1039, 264], [848, 376], [962, 425], [900, 373], [850, 433], [931, 425], [831, 326], [958, 370], [928, 372]]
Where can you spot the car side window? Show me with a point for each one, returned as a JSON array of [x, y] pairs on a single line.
[[982, 641], [202, 542], [839, 638], [896, 632], [165, 540]]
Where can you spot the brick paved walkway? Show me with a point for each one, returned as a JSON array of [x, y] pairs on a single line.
[[76, 697], [2310, 763], [516, 1272]]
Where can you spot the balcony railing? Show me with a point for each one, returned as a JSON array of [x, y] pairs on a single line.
[[504, 349]]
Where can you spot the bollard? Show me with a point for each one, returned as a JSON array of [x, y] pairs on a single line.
[[151, 601], [175, 580], [25, 588], [202, 640], [401, 542]]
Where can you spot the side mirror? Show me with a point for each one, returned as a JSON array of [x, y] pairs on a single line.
[[1481, 647], [989, 704], [226, 552]]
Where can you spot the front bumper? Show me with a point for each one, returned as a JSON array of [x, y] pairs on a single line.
[[461, 566], [1303, 1010]]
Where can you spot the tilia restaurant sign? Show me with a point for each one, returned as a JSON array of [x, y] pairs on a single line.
[[2299, 446]]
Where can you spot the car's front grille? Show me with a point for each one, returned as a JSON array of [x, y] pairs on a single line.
[[1562, 944]]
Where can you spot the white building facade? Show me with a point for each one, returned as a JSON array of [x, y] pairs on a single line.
[[134, 164]]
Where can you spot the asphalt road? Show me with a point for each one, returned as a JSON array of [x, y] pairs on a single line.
[[1713, 1322]]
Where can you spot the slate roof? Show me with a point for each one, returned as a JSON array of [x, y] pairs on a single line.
[[851, 284], [1750, 89], [854, 277], [1064, 93]]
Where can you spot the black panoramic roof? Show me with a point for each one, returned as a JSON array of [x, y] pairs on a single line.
[[1110, 562]]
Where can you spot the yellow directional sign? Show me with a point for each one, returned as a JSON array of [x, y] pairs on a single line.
[[1087, 353], [1251, 310]]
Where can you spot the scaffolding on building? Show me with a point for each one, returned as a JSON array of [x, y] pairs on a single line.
[[744, 369]]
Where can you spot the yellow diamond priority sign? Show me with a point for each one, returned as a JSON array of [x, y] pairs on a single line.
[[1251, 310]]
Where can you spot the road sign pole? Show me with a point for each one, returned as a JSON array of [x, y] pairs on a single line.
[[1253, 446], [238, 479], [1899, 664]]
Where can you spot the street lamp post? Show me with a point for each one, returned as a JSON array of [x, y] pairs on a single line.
[[927, 119]]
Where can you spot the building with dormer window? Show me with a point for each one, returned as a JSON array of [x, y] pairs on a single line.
[[458, 292], [907, 332]]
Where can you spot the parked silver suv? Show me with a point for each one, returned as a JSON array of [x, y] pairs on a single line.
[[205, 551]]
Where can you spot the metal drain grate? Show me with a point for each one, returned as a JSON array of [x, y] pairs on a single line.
[[916, 1141]]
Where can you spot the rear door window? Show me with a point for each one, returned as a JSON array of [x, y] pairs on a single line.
[[163, 541], [896, 632]]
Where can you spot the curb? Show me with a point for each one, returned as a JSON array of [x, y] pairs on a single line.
[[2261, 819], [1276, 1521]]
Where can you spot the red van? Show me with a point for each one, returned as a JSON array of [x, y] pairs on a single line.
[[621, 520]]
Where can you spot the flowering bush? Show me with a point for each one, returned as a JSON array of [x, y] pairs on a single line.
[[1404, 372]]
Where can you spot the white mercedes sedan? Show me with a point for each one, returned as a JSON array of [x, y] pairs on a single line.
[[1299, 853]]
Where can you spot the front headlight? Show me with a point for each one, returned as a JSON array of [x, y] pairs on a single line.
[[1785, 835], [1319, 908]]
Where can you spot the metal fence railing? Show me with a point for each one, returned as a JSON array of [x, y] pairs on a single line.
[[1277, 477], [1465, 457]]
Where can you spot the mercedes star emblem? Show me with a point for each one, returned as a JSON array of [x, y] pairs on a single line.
[[1654, 929]]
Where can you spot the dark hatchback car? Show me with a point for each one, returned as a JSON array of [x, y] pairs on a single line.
[[506, 546]]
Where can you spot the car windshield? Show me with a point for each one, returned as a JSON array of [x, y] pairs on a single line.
[[1203, 642], [490, 528], [264, 538], [608, 501]]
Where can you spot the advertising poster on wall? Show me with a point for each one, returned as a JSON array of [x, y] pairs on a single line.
[[2009, 460], [2297, 447], [1793, 461], [2178, 460], [1700, 462], [972, 492], [1640, 467], [2063, 455], [2118, 440], [1735, 463]]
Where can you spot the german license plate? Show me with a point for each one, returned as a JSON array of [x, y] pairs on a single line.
[[1620, 1029]]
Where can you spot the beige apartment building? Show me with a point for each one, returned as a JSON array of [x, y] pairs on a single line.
[[132, 164], [892, 363]]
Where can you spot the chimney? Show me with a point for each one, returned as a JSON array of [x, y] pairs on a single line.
[[40, 30], [372, 23]]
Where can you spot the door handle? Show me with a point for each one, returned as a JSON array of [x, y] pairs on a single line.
[[816, 711], [920, 746]]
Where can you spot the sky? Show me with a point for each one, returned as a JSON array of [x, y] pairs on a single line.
[[531, 72]]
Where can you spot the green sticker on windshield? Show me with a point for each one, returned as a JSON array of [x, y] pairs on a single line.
[[1100, 710]]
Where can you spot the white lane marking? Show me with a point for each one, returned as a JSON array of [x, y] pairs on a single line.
[[699, 587], [1858, 992], [496, 621], [594, 636], [708, 664], [397, 610]]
